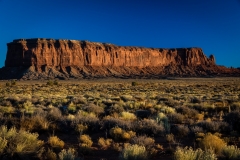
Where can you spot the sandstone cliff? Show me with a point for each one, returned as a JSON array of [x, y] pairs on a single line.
[[49, 58]]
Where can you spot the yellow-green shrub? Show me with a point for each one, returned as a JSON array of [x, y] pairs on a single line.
[[128, 116], [50, 155], [81, 128], [21, 143], [55, 142], [134, 152], [212, 142], [231, 152], [190, 154], [104, 143], [3, 144], [120, 134], [85, 141]]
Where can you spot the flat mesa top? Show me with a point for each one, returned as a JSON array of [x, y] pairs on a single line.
[[42, 40]]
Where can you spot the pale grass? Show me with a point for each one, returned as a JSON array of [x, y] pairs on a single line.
[[134, 152]]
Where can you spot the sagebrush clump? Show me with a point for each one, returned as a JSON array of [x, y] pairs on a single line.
[[134, 152]]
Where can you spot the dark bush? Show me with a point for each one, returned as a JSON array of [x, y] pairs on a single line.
[[148, 127], [180, 130], [196, 100], [110, 122], [134, 83], [145, 141], [94, 109], [115, 109], [142, 114], [233, 118], [176, 118], [214, 126], [187, 112]]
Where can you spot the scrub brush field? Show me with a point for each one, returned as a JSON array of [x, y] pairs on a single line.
[[125, 119]]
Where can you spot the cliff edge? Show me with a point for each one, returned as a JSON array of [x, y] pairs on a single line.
[[49, 58]]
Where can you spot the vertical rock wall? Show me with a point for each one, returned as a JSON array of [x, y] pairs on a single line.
[[49, 52]]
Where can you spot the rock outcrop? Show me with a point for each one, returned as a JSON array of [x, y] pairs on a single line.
[[49, 58]]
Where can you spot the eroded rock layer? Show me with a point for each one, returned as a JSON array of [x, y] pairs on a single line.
[[49, 58]]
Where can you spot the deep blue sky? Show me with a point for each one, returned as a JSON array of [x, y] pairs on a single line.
[[213, 25]]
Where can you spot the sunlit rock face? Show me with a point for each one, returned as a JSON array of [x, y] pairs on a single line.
[[64, 53], [49, 58]]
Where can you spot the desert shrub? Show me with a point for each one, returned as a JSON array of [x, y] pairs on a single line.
[[7, 109], [176, 118], [120, 134], [214, 126], [54, 114], [110, 122], [231, 152], [134, 83], [37, 122], [145, 141], [88, 119], [69, 154], [163, 120], [11, 83], [142, 114], [79, 100], [196, 100], [71, 108], [28, 107], [199, 117], [27, 124], [134, 152], [116, 108], [85, 141], [196, 129], [55, 82], [170, 138], [128, 116], [94, 109], [51, 83], [55, 142], [7, 103], [8, 84], [126, 98], [235, 106], [148, 127], [81, 128], [50, 155], [161, 117], [20, 143], [188, 153], [199, 135], [212, 142], [171, 103], [104, 143], [233, 118], [180, 130], [3, 144], [166, 109], [187, 112]]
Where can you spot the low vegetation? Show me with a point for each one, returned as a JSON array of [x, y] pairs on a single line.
[[120, 119]]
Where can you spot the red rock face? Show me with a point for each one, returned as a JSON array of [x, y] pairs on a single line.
[[53, 53], [70, 58]]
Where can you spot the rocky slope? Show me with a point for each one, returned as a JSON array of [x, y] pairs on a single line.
[[49, 58]]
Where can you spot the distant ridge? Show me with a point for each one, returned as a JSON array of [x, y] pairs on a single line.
[[49, 58]]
